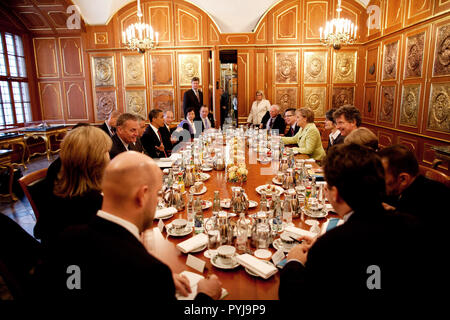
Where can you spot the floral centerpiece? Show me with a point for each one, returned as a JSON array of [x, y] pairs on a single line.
[[237, 172]]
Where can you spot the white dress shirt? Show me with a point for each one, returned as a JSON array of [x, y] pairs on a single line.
[[131, 227], [333, 136], [156, 131]]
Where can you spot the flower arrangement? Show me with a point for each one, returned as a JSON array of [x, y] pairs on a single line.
[[237, 172]]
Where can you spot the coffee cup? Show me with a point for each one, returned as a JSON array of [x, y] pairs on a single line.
[[179, 225], [286, 240], [226, 254]]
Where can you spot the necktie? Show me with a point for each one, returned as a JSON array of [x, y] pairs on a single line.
[[197, 95], [291, 132], [206, 123], [270, 123], [160, 140]]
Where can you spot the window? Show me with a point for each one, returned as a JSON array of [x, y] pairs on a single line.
[[15, 107]]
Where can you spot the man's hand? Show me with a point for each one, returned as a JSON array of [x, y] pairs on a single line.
[[181, 284], [388, 207], [211, 287], [160, 148], [299, 252]]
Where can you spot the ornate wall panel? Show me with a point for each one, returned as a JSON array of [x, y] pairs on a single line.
[[417, 10], [163, 99], [344, 66], [103, 71], [374, 19], [315, 98], [261, 70], [385, 139], [51, 102], [189, 66], [76, 100], [285, 22], [441, 6], [394, 15], [315, 67], [105, 103], [342, 96], [72, 57], [161, 69], [136, 102], [390, 57], [160, 17], [371, 63], [243, 79], [409, 109], [286, 98], [45, 52], [286, 69], [133, 70], [189, 26], [414, 55], [441, 65], [411, 144], [316, 14], [439, 108], [370, 102], [387, 104], [101, 38]]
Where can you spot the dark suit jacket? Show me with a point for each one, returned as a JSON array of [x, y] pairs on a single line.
[[337, 264], [278, 123], [150, 141], [165, 135], [117, 146], [190, 100], [292, 133], [211, 119], [137, 146], [104, 127], [340, 139]]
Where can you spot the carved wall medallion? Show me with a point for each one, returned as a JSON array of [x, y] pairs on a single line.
[[387, 104], [189, 66], [135, 102], [441, 65], [410, 105], [390, 57], [342, 96], [315, 99], [414, 55], [286, 67], [163, 99], [315, 67], [286, 98], [133, 70], [106, 103], [162, 69], [103, 68], [439, 108], [344, 67]]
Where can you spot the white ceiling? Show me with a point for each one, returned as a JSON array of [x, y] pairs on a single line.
[[231, 16]]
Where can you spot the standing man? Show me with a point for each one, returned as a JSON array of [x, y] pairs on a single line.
[[347, 118], [152, 139], [291, 121], [273, 120], [207, 118], [193, 98], [224, 100], [109, 126], [125, 137]]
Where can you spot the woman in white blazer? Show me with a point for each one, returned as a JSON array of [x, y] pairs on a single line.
[[259, 108]]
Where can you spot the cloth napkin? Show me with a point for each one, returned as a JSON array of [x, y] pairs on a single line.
[[193, 243], [162, 213], [300, 232], [259, 267]]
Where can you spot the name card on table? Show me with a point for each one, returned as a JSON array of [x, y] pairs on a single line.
[[161, 225], [195, 263], [278, 257]]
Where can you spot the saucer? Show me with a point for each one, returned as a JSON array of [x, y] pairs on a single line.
[[204, 176], [278, 245], [277, 190], [170, 231], [318, 215], [215, 261], [276, 181], [207, 169], [198, 193], [250, 272], [262, 254]]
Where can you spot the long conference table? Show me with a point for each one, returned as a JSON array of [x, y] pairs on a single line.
[[239, 284]]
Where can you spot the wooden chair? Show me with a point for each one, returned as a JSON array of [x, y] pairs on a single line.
[[30, 184], [435, 175]]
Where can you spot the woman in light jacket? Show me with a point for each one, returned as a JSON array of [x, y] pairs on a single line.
[[259, 108], [308, 137]]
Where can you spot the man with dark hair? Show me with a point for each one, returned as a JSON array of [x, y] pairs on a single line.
[[126, 134], [193, 98], [224, 102], [207, 118], [152, 139], [341, 262], [409, 191], [335, 137], [347, 118], [291, 121]]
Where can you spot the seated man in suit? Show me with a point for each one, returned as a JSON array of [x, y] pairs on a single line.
[[166, 132], [291, 121], [193, 98], [273, 120], [207, 118], [109, 126], [114, 264], [137, 146], [370, 245], [125, 137], [152, 139], [347, 118]]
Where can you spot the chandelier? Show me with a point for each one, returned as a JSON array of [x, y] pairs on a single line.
[[139, 36], [338, 31]]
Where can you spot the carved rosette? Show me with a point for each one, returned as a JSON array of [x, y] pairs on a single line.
[[387, 104], [286, 67], [133, 70], [414, 55], [441, 65], [315, 67], [342, 96], [390, 61], [103, 68], [315, 99], [286, 98], [439, 108], [106, 103], [136, 103], [410, 105], [189, 66], [344, 67]]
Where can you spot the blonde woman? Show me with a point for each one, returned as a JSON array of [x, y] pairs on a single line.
[[259, 108], [76, 195]]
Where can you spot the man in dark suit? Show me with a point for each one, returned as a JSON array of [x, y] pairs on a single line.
[[273, 120], [108, 253], [372, 255], [137, 146], [207, 118], [224, 105], [125, 137], [109, 126], [193, 98], [166, 132], [152, 139], [291, 121]]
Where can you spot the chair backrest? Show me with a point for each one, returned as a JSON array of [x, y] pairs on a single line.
[[435, 175], [30, 185]]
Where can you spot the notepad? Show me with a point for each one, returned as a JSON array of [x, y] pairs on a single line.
[[194, 278]]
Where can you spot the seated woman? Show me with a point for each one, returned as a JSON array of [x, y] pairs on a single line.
[[75, 196], [308, 137], [188, 123]]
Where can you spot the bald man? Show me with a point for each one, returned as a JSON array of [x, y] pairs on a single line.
[[113, 262], [273, 120]]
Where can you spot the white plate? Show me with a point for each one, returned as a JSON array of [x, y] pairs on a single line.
[[204, 176], [278, 245], [170, 232], [250, 272], [215, 261], [318, 215], [252, 204], [275, 181], [198, 193], [207, 204], [262, 254], [207, 169], [279, 190], [199, 249]]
